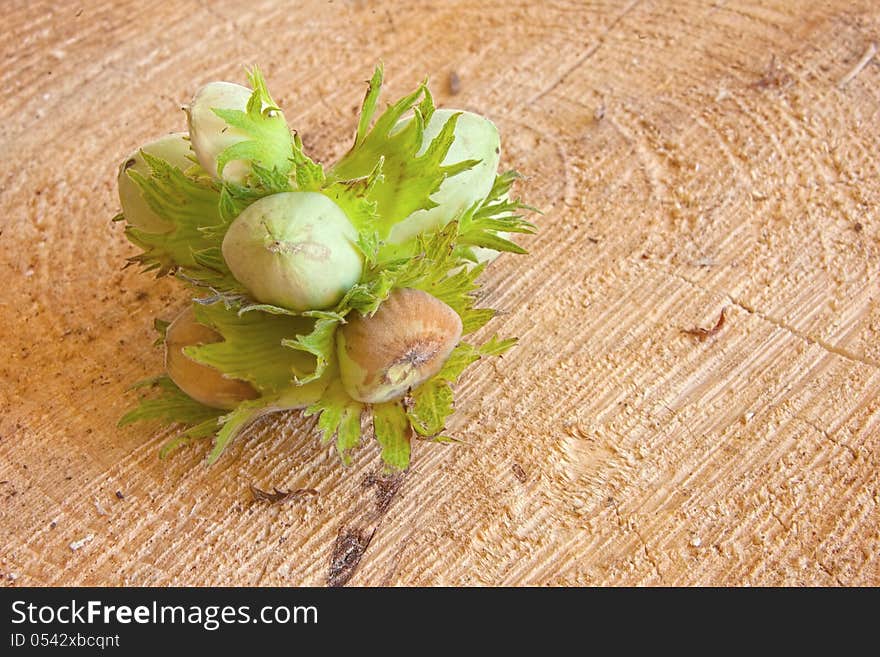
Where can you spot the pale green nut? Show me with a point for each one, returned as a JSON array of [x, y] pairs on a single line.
[[174, 149], [211, 135], [476, 138], [296, 250]]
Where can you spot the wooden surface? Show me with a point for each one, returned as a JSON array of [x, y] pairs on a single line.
[[689, 157]]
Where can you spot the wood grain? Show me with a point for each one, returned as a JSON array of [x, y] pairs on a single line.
[[689, 157]]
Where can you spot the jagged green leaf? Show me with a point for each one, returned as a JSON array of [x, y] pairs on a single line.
[[319, 342], [411, 173], [460, 358], [235, 198], [190, 205], [488, 223], [253, 347], [202, 430], [270, 181], [226, 426], [348, 435], [270, 144], [368, 109], [489, 240], [466, 254], [430, 405], [433, 260], [393, 432], [339, 416], [456, 289], [233, 424], [476, 318], [309, 175], [502, 185], [171, 405], [212, 272], [366, 296], [355, 198], [437, 270]]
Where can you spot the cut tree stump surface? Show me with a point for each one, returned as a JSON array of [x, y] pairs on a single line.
[[689, 158]]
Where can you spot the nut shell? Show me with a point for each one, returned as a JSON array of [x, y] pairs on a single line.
[[405, 343], [294, 249], [211, 135]]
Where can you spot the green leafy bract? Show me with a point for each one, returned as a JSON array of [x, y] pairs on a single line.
[[270, 144], [392, 146], [254, 347], [437, 270], [393, 433], [355, 197], [247, 412], [173, 406], [484, 225], [339, 416], [432, 402], [320, 343], [233, 424], [190, 205], [430, 406], [309, 175]]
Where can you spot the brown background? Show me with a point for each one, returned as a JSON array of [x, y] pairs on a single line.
[[689, 157]]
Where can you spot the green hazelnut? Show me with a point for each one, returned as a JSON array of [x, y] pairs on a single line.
[[296, 250], [211, 135]]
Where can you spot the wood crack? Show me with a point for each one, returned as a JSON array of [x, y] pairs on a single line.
[[648, 555], [830, 573], [626, 524], [866, 57], [778, 323], [356, 534], [819, 342], [828, 435], [776, 517]]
